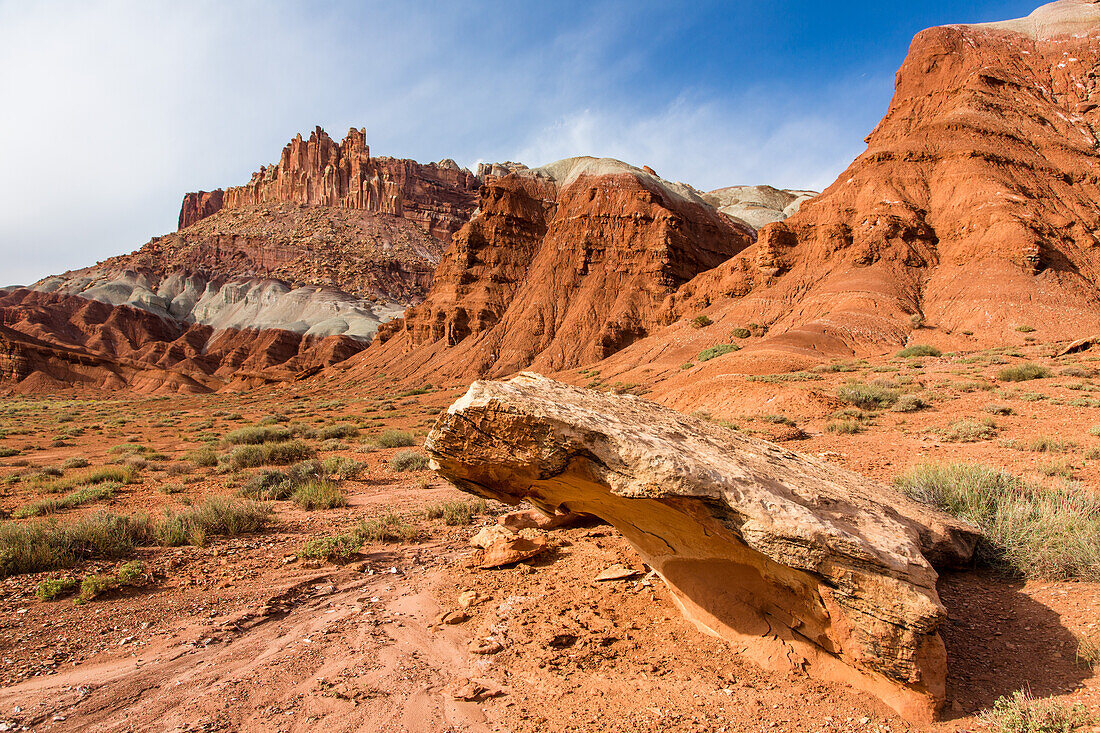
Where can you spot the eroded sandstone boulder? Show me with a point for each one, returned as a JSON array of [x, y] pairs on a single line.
[[797, 563]]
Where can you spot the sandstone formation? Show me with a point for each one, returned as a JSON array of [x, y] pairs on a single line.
[[974, 208], [50, 341], [757, 206], [798, 564], [438, 197], [562, 265]]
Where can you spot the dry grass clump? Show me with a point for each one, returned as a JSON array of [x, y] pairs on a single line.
[[387, 528], [1023, 373], [1051, 533], [29, 547], [1022, 713], [909, 403], [394, 439], [258, 435], [341, 430], [319, 494], [917, 350], [118, 475], [268, 454], [969, 431], [82, 495], [868, 396], [217, 515], [454, 513], [844, 427], [409, 460]]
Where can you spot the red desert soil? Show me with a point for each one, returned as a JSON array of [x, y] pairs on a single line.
[[238, 634]]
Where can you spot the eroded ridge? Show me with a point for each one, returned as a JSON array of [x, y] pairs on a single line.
[[796, 563]]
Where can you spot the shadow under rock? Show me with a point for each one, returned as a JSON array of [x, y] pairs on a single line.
[[1000, 640]]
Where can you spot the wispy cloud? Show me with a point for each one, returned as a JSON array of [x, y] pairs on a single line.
[[114, 108]]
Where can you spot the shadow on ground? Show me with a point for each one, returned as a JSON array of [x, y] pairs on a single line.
[[1000, 640]]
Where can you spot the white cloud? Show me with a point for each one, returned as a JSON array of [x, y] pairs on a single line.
[[113, 109]]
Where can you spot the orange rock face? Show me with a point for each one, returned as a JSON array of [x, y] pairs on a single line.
[[564, 265], [439, 197], [974, 207], [49, 340]]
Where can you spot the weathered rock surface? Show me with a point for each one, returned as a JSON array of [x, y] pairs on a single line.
[[50, 341], [757, 205], [439, 197], [974, 208], [562, 265], [798, 564]]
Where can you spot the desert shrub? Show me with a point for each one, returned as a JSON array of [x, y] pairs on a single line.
[[51, 590], [740, 333], [1022, 713], [216, 515], [6, 452], [387, 528], [1056, 468], [1075, 371], [409, 460], [203, 457], [1088, 651], [919, 350], [268, 454], [394, 439], [844, 427], [1051, 533], [74, 463], [30, 547], [338, 548], [267, 486], [113, 474], [131, 574], [342, 468], [872, 396], [259, 434], [319, 494], [1023, 373], [342, 430], [715, 351], [82, 495], [1025, 329], [909, 403], [1045, 444], [686, 365], [701, 322], [776, 419], [997, 409], [969, 431], [455, 513]]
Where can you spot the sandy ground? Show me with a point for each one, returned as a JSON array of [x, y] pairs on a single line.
[[240, 634]]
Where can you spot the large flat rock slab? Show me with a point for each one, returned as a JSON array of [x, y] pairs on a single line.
[[796, 563]]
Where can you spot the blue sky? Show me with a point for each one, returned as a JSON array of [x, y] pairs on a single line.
[[114, 109]]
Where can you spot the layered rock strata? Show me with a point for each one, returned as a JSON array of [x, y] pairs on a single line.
[[796, 563], [973, 209], [564, 265]]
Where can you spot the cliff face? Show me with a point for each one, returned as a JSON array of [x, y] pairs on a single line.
[[564, 265], [974, 208], [439, 197], [50, 341]]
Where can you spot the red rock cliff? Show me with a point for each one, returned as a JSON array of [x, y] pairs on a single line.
[[974, 208], [439, 197], [565, 265]]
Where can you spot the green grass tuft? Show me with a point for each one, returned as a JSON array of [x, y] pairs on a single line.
[[1051, 533], [716, 351]]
